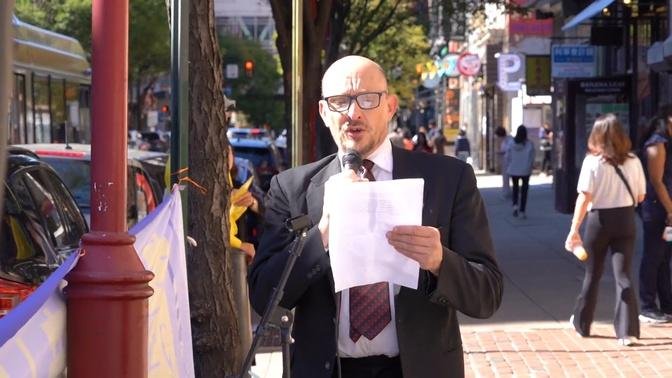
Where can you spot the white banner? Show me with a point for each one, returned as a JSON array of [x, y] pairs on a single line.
[[160, 246], [32, 335]]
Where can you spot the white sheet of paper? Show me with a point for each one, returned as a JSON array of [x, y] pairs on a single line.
[[359, 216]]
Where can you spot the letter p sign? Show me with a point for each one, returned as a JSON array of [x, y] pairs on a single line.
[[510, 71]]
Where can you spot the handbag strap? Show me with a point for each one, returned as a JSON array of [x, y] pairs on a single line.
[[620, 174]]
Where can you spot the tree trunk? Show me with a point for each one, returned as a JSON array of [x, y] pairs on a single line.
[[216, 337], [317, 141]]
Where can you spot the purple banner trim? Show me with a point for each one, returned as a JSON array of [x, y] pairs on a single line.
[[11, 323]]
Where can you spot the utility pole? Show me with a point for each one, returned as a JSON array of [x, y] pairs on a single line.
[[7, 47], [297, 83], [108, 290]]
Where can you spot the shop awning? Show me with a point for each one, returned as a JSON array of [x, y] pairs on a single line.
[[590, 11]]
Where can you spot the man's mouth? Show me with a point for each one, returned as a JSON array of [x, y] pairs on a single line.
[[353, 131]]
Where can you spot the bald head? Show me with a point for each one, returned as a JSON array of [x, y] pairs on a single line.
[[349, 72], [357, 106]]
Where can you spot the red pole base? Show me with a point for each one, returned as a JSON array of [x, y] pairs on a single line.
[[107, 296]]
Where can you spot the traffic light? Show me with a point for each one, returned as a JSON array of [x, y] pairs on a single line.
[[248, 66]]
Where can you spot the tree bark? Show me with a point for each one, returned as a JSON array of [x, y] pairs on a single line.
[[215, 333], [317, 140]]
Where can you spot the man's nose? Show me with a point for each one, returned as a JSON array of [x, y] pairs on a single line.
[[354, 111]]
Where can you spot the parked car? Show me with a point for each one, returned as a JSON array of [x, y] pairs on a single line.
[[246, 133], [263, 154], [41, 226], [73, 164], [154, 141]]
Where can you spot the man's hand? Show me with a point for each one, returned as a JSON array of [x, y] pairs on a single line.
[[420, 243], [331, 189]]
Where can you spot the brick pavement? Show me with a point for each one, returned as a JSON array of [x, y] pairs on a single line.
[[560, 352]]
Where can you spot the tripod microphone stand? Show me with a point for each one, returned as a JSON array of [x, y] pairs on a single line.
[[299, 225]]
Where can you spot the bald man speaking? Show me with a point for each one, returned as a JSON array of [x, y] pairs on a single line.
[[379, 330]]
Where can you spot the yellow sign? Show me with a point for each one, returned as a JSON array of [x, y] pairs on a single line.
[[538, 74]]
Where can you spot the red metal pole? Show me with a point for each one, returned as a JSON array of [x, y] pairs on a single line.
[[108, 289]]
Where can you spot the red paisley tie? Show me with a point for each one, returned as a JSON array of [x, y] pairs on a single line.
[[369, 304]]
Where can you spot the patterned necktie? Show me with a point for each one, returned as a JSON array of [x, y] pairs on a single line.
[[369, 304]]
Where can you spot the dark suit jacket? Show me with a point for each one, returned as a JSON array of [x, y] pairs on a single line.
[[469, 280]]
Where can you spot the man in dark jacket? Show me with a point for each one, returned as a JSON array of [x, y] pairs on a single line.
[[416, 333]]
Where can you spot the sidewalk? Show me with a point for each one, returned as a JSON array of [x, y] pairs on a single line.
[[530, 334]]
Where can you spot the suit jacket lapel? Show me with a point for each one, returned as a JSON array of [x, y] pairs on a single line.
[[314, 200], [315, 192]]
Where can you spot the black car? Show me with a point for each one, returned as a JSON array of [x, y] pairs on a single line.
[[73, 164], [41, 226], [263, 154]]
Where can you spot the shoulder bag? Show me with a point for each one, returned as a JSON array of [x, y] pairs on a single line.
[[620, 174]]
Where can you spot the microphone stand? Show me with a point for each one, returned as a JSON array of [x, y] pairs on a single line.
[[299, 225]]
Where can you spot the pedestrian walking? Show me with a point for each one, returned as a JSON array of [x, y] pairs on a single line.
[[504, 143], [437, 141], [462, 146], [546, 146], [520, 159], [377, 330], [655, 287], [421, 143], [610, 185]]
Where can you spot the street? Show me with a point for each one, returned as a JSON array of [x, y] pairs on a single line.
[[530, 334]]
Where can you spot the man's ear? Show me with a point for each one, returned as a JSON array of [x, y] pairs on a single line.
[[392, 104]]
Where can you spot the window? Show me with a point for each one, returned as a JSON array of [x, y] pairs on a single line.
[[58, 125], [41, 109], [31, 220], [17, 111], [72, 112], [75, 225], [84, 127], [17, 245], [77, 177]]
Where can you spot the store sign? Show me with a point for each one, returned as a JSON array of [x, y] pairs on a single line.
[[531, 27], [576, 61], [510, 71], [524, 3], [538, 75], [448, 66], [231, 71], [469, 64]]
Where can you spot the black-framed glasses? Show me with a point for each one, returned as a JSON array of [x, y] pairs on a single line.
[[366, 100]]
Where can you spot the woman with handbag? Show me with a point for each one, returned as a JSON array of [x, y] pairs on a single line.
[[610, 185]]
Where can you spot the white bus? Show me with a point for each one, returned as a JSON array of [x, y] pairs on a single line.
[[50, 98]]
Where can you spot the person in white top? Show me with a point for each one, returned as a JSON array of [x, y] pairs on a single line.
[[610, 185], [505, 140], [520, 159]]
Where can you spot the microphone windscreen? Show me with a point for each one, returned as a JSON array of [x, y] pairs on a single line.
[[352, 160]]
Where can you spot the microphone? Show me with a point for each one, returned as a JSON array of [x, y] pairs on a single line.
[[352, 160]]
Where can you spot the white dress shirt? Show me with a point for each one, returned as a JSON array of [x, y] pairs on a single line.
[[386, 341]]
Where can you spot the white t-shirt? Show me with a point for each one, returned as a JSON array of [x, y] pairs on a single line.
[[608, 191]]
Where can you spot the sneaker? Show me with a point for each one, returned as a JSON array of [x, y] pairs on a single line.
[[628, 341], [515, 211], [523, 216], [653, 317]]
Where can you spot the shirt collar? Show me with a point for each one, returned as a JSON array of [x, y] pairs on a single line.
[[381, 156]]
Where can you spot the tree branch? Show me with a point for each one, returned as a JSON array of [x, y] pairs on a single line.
[[381, 28]]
